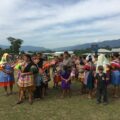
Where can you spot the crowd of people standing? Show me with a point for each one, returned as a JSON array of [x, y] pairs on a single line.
[[33, 74]]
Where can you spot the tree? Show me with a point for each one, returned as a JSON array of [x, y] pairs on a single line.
[[1, 52], [108, 47], [15, 44], [82, 51]]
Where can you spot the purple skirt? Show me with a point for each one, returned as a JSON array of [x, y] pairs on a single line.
[[65, 85]]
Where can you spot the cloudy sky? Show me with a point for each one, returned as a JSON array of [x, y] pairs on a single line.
[[59, 23]]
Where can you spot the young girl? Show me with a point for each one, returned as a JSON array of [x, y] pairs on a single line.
[[46, 79], [17, 67], [81, 78], [6, 74], [46, 75], [57, 79], [73, 73], [66, 81]]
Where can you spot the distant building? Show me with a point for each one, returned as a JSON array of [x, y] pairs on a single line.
[[103, 51], [115, 50], [62, 52]]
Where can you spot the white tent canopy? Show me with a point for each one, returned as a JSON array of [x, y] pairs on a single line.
[[104, 51], [116, 50]]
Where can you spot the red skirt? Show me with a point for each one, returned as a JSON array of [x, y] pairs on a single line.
[[6, 84], [57, 79]]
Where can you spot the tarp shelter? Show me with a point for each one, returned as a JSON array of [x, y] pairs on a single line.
[[116, 50], [103, 51]]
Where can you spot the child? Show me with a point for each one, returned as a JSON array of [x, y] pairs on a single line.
[[57, 79], [73, 73], [66, 81], [101, 86], [81, 78], [46, 79], [83, 86]]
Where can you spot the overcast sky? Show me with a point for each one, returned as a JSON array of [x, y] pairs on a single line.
[[59, 23]]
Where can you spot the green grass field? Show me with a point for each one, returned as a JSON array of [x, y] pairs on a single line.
[[54, 108]]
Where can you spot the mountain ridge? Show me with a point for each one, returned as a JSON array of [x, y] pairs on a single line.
[[27, 48], [110, 43]]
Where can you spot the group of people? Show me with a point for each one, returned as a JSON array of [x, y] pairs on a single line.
[[33, 74]]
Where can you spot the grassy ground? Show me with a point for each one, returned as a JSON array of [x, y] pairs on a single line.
[[53, 108]]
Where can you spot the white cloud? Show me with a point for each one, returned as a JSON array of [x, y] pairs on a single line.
[[52, 23]]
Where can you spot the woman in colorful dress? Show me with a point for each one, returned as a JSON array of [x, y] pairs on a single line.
[[89, 76], [6, 74], [38, 79], [26, 81], [115, 79]]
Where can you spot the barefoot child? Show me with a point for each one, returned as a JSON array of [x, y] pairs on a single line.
[[57, 79], [66, 81], [101, 82], [46, 79], [73, 73]]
